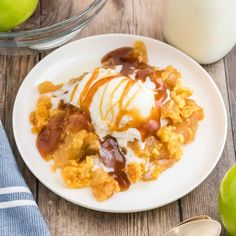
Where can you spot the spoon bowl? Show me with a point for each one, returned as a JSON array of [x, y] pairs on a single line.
[[203, 227]]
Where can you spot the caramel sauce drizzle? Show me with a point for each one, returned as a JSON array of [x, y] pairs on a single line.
[[85, 104], [87, 87], [101, 101], [112, 105], [73, 92], [123, 112]]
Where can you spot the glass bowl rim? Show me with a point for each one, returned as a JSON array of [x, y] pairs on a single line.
[[46, 29]]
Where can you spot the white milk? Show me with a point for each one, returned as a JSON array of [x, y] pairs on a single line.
[[204, 29]]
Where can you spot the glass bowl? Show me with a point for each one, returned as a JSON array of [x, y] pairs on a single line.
[[54, 23]]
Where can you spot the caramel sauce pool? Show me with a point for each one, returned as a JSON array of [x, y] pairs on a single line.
[[50, 136], [112, 156]]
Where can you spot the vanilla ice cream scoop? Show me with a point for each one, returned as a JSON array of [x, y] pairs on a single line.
[[118, 105]]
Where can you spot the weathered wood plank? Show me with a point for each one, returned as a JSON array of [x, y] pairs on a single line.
[[230, 69], [74, 220], [130, 17], [16, 70], [203, 200], [3, 64], [163, 219], [119, 16]]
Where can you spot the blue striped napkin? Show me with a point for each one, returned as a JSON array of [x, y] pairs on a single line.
[[19, 213]]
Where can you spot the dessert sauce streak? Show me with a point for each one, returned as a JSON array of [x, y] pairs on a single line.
[[112, 157], [87, 88], [119, 56], [85, 104], [50, 136], [73, 92], [111, 105]]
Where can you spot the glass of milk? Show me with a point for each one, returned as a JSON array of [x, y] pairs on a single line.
[[204, 29]]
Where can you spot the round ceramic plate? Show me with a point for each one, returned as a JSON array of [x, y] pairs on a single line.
[[200, 157]]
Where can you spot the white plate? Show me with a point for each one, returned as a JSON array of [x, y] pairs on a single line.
[[199, 158]]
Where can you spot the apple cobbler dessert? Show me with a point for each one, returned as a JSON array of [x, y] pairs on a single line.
[[124, 122]]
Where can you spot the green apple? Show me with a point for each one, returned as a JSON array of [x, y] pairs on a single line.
[[227, 201], [15, 12]]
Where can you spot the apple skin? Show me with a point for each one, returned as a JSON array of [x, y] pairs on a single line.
[[15, 12], [227, 201]]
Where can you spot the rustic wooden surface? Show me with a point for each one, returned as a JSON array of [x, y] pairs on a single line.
[[142, 17]]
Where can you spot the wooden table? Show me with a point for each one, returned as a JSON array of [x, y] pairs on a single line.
[[142, 17]]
